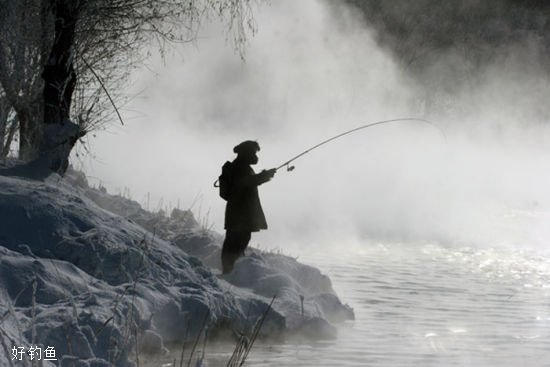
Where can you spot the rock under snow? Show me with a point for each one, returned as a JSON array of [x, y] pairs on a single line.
[[94, 284]]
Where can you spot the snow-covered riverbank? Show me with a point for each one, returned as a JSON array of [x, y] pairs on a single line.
[[98, 278]]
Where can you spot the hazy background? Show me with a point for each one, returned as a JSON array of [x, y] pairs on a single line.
[[315, 69]]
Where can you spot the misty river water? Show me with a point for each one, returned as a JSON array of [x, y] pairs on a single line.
[[427, 305]]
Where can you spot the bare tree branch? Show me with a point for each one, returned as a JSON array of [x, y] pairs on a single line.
[[53, 52]]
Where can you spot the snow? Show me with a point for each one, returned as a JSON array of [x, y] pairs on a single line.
[[100, 279]]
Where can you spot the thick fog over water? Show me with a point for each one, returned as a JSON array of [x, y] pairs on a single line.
[[312, 71]]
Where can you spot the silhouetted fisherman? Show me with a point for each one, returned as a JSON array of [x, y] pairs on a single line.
[[243, 213]]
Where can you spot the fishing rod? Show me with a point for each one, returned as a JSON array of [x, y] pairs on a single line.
[[403, 119], [290, 168]]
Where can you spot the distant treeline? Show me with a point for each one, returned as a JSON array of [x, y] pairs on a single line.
[[459, 50], [418, 32]]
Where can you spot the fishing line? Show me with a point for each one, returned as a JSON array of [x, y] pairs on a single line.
[[290, 168]]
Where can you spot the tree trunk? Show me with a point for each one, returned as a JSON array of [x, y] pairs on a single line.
[[29, 135], [59, 83], [59, 76], [4, 114]]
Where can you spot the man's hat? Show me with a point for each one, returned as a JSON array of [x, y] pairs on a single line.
[[247, 147]]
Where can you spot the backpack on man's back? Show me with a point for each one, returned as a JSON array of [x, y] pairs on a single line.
[[226, 180]]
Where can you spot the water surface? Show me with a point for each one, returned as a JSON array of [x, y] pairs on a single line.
[[427, 305]]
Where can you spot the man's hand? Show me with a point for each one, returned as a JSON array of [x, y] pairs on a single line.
[[271, 172], [268, 174]]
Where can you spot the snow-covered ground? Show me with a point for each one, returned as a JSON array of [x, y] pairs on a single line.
[[101, 281]]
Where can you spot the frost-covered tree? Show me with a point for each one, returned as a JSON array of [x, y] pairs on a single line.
[[8, 125], [61, 61]]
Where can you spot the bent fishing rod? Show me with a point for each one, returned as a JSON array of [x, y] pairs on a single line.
[[290, 168]]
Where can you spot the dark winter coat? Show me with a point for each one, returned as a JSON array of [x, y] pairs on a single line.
[[244, 211]]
